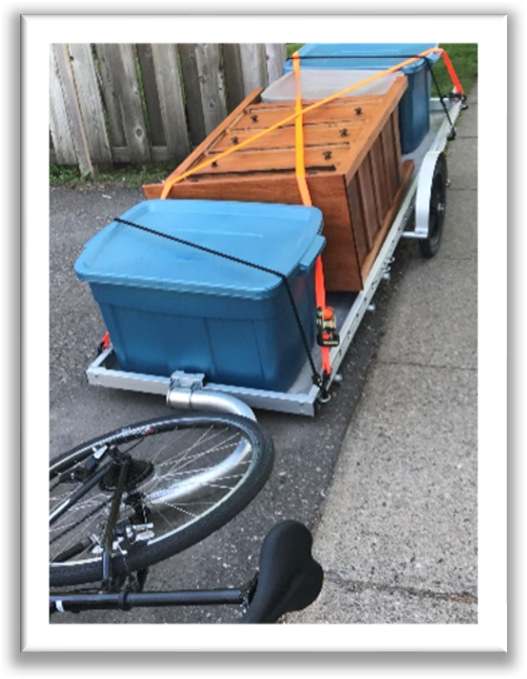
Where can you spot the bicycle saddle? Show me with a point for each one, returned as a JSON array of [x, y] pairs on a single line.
[[289, 579]]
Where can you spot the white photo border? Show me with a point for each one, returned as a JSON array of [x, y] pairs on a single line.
[[490, 32]]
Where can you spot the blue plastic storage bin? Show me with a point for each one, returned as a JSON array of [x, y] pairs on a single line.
[[169, 306], [414, 107]]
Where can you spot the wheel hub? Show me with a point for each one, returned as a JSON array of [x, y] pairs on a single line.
[[138, 471]]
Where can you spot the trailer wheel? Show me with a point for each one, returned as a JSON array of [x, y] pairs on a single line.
[[429, 247]]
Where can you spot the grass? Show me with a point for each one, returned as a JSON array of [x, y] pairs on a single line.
[[464, 56], [128, 175], [293, 47]]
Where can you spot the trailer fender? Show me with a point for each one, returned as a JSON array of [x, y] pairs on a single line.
[[424, 190]]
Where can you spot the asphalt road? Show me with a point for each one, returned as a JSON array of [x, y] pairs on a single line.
[[306, 449]]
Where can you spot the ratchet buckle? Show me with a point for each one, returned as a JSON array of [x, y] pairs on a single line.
[[327, 335]]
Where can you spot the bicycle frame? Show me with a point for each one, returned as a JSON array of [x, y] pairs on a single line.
[[126, 600]]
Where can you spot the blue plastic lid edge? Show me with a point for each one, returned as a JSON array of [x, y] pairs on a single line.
[[312, 252]]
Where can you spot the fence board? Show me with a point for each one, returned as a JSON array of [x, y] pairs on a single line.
[[155, 119], [158, 154], [254, 66], [190, 73], [139, 103], [90, 103], [275, 54], [52, 156], [233, 74], [71, 104], [105, 57], [64, 152], [125, 76], [211, 84], [171, 99]]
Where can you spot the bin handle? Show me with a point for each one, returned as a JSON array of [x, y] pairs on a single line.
[[309, 256]]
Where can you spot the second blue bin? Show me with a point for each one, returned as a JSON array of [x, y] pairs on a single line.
[[170, 307], [414, 107]]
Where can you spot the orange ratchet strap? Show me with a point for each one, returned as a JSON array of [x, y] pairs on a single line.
[[458, 87], [105, 342], [300, 165], [325, 316]]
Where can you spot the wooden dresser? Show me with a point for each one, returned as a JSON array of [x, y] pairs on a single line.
[[353, 167]]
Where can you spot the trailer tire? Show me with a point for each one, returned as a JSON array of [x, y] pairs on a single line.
[[429, 247]]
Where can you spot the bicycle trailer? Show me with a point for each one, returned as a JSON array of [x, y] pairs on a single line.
[[277, 342]]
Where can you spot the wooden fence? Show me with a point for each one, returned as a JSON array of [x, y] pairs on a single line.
[[146, 103]]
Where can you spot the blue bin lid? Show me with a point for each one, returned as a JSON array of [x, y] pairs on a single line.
[[280, 237], [366, 56]]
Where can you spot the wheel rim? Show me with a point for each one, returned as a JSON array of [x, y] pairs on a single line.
[[195, 470]]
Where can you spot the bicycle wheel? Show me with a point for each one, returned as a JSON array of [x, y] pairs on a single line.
[[187, 477]]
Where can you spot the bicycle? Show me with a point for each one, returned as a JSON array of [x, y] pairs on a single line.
[[145, 492]]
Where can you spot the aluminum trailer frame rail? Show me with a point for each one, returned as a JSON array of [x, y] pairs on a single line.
[[181, 388]]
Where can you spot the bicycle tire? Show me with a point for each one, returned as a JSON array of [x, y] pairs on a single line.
[[152, 552]]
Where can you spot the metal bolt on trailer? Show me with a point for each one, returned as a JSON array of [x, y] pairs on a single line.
[[423, 198]]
